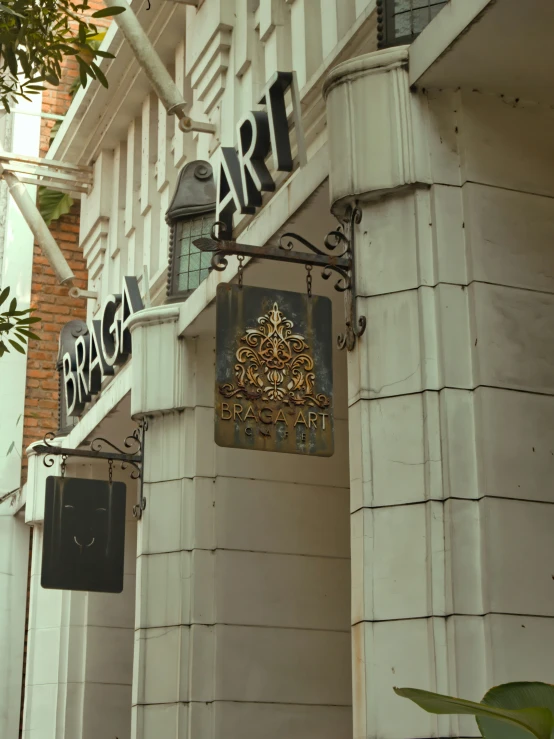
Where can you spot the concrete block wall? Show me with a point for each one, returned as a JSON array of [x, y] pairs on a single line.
[[243, 573], [450, 393]]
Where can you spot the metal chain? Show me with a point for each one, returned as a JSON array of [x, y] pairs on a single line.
[[241, 269], [110, 470], [64, 458], [309, 279]]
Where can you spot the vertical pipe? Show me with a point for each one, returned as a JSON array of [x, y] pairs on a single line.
[[40, 231]]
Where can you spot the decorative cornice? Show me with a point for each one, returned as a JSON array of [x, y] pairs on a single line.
[[155, 316], [376, 61]]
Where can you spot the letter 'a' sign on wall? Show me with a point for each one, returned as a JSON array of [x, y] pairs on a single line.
[[274, 371], [84, 535]]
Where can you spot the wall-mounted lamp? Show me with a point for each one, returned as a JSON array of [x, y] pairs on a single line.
[[190, 216]]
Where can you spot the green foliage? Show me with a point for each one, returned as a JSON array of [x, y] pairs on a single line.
[[53, 204], [510, 711], [515, 696], [15, 325], [35, 37]]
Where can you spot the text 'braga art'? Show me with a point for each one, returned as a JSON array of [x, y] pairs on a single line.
[[274, 383]]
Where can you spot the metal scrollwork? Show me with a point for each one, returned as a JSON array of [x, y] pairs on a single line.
[[331, 242], [100, 448], [337, 256], [275, 364], [355, 325], [50, 458]]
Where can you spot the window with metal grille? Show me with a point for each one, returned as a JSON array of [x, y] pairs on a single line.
[[401, 21], [190, 216], [193, 264]]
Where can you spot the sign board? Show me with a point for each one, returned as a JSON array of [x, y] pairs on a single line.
[[84, 535], [93, 356], [243, 172], [274, 371]]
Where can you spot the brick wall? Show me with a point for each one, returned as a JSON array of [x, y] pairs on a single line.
[[56, 308], [51, 300]]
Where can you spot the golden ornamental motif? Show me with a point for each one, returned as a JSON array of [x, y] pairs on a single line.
[[275, 365]]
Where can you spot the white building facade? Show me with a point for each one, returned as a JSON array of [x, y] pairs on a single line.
[[19, 133], [271, 595]]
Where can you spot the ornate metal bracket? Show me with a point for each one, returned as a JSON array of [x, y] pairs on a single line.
[[338, 256], [97, 450]]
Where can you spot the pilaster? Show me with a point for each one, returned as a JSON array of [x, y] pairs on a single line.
[[450, 391], [242, 623]]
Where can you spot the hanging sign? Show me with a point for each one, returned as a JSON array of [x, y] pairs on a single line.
[[107, 344], [274, 372], [84, 535]]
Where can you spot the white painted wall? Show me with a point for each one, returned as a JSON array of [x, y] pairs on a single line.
[[20, 132], [231, 49], [243, 575], [80, 645], [450, 393]]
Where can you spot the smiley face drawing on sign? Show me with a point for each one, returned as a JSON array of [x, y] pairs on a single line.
[[84, 535]]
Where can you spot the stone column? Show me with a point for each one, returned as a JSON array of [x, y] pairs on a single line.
[[243, 565], [451, 391]]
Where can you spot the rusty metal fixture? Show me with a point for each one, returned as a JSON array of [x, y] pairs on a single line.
[[342, 263], [96, 450], [274, 371], [355, 325]]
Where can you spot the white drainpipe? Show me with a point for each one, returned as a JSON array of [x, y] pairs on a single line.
[[154, 68], [40, 231]]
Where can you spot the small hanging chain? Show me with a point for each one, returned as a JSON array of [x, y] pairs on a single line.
[[241, 269], [64, 458], [309, 279], [110, 470]]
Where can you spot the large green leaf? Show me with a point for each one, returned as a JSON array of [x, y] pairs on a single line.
[[53, 204], [537, 721], [514, 696]]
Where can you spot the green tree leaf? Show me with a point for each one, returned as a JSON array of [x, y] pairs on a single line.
[[4, 294], [536, 721], [99, 74], [16, 346], [28, 334], [29, 320], [35, 37], [108, 12]]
